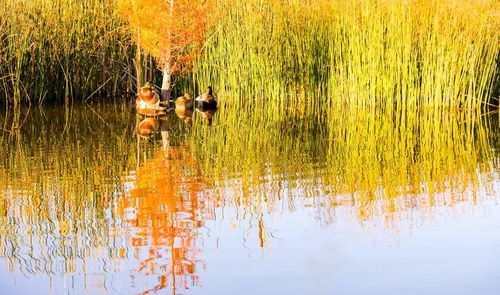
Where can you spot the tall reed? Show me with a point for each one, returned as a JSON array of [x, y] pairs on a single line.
[[391, 55], [61, 51]]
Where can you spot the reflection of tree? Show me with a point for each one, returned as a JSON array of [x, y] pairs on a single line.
[[164, 212]]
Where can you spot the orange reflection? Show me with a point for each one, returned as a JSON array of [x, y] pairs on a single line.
[[164, 214]]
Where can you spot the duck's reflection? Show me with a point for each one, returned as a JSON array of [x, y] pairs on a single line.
[[185, 115], [207, 115], [147, 127]]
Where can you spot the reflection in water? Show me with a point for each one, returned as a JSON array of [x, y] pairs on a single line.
[[82, 195], [147, 127], [207, 115], [185, 114], [163, 212], [431, 161]]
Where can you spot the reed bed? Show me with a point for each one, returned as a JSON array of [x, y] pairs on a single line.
[[390, 55], [308, 56], [328, 105], [61, 51]]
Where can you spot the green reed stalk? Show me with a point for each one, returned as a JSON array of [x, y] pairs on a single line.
[[394, 56], [60, 50]]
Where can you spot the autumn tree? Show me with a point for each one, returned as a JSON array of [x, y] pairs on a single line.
[[172, 31]]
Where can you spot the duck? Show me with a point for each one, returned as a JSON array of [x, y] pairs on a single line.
[[184, 102], [206, 101], [148, 97]]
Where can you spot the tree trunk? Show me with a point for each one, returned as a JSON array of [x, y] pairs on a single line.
[[166, 84], [138, 64]]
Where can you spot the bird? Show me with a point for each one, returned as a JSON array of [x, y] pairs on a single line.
[[148, 97], [206, 101], [184, 102]]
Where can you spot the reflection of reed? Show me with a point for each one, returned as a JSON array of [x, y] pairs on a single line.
[[77, 197], [431, 155], [56, 183], [365, 161]]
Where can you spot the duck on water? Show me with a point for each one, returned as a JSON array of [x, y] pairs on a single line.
[[206, 101], [184, 102], [148, 98]]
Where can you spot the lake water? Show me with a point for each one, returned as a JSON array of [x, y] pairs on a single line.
[[101, 200]]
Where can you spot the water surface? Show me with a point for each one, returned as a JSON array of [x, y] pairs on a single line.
[[248, 203]]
